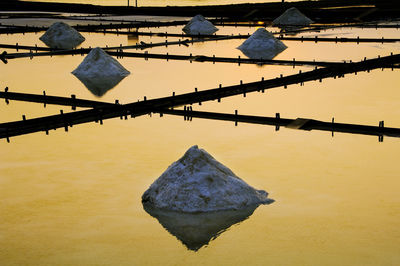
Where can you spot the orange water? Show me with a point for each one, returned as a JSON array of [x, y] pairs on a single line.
[[75, 198]]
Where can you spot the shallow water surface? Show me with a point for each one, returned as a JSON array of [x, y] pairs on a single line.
[[75, 198]]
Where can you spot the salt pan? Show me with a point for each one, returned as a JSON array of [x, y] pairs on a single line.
[[99, 72], [262, 44], [198, 25], [198, 183], [292, 17], [62, 36]]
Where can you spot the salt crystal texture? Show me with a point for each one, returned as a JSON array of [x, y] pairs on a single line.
[[196, 230], [198, 25], [262, 44], [99, 72], [198, 183], [62, 36], [293, 17]]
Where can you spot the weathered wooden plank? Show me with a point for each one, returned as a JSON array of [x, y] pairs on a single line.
[[47, 99], [147, 106], [301, 123]]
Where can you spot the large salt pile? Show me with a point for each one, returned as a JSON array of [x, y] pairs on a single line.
[[262, 44], [198, 25], [196, 230], [99, 72], [61, 35], [292, 17], [198, 183]]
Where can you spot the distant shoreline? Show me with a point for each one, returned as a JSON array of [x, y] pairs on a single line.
[[321, 11]]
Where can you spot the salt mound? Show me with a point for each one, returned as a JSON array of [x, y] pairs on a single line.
[[99, 72], [199, 25], [198, 183], [196, 230], [62, 36], [294, 17], [262, 44]]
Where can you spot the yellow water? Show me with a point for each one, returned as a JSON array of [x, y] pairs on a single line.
[[75, 198]]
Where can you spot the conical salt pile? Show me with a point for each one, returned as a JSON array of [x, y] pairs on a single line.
[[100, 72], [262, 44], [198, 25], [292, 17], [62, 36], [198, 183]]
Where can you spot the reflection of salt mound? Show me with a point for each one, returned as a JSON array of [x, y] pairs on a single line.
[[262, 44], [99, 72], [292, 16], [195, 230], [199, 183], [61, 35], [199, 25]]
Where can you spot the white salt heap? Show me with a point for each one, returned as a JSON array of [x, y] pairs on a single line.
[[262, 44], [61, 35], [199, 25], [199, 183], [292, 17], [100, 72]]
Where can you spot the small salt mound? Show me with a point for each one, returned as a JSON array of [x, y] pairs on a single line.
[[294, 17], [62, 36], [99, 72], [198, 183], [262, 44], [199, 25]]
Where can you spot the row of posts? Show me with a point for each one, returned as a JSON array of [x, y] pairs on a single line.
[[135, 3]]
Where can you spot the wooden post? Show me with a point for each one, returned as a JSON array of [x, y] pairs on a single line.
[[277, 116], [44, 94], [73, 97], [381, 125], [236, 122]]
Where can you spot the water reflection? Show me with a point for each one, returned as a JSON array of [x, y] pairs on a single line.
[[262, 54], [133, 39], [196, 230], [99, 87], [290, 30]]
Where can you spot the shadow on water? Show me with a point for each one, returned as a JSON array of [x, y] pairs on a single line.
[[101, 85], [266, 54], [196, 230]]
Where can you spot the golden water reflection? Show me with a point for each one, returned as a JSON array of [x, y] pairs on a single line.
[[196, 230], [75, 198]]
